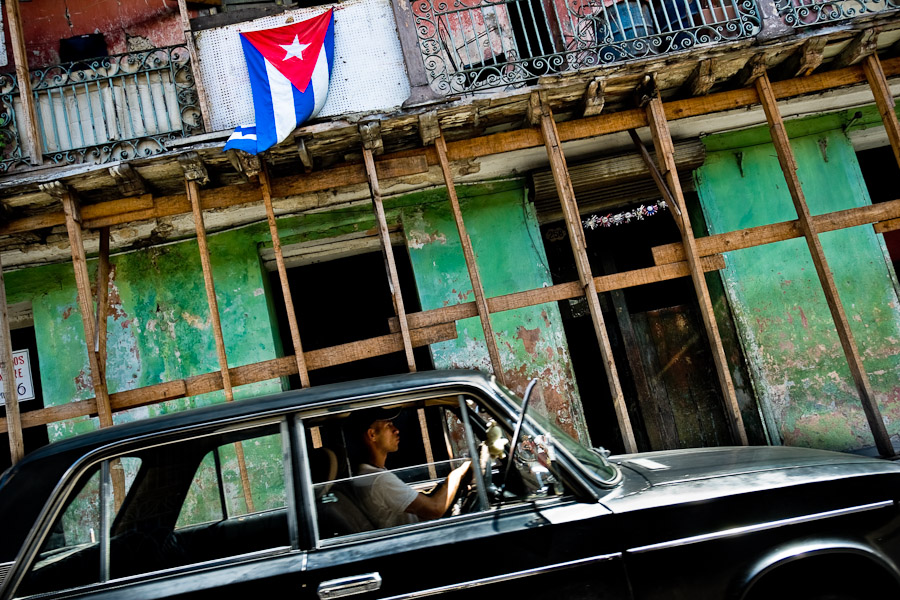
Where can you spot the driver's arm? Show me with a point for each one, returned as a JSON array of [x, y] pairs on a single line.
[[434, 505]]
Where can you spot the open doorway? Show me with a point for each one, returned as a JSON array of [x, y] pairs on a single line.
[[880, 172], [346, 300], [656, 332]]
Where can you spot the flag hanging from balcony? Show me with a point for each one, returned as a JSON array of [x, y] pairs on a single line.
[[290, 68]]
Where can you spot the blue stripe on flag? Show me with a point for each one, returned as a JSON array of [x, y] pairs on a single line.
[[243, 138]]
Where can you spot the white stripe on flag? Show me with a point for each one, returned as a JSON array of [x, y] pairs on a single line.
[[320, 81], [282, 102]]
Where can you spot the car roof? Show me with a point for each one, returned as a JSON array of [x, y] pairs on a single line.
[[357, 389], [42, 469]]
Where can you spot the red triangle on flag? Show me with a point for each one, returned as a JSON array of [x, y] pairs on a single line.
[[293, 49]]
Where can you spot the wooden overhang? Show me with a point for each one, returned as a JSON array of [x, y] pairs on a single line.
[[323, 163]]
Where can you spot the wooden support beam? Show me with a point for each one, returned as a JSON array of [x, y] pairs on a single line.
[[533, 110], [388, 255], [558, 292], [429, 127], [370, 135], [594, 98], [27, 124], [892, 225], [861, 46], [202, 101], [13, 418], [469, 254], [103, 270], [884, 100], [752, 70], [194, 172], [701, 80], [305, 157], [789, 168], [662, 141], [247, 165], [126, 210], [128, 180], [803, 61], [282, 276], [577, 239], [85, 303], [778, 232], [244, 375]]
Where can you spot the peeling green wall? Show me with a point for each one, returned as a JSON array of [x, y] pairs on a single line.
[[799, 371], [510, 256], [159, 326]]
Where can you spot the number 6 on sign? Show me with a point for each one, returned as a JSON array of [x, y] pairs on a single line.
[[24, 382]]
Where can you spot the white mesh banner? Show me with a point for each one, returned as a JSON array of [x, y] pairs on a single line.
[[369, 73]]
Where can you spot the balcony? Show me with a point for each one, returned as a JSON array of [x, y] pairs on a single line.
[[805, 13], [102, 110], [469, 45]]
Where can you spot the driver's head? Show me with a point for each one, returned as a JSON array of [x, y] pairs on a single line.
[[377, 431]]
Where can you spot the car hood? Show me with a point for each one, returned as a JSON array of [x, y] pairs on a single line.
[[702, 473]]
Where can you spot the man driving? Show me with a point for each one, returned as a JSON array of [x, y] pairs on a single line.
[[387, 500]]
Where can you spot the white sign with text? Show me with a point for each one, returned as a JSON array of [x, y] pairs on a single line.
[[24, 383]]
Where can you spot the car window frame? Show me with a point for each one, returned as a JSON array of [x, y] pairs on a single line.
[[102, 455], [486, 398]]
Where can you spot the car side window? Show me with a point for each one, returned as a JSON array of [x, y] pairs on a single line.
[[359, 486], [192, 501]]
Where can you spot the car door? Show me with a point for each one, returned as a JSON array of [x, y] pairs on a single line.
[[540, 547], [186, 516]]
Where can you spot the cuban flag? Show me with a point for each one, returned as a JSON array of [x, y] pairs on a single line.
[[290, 68]]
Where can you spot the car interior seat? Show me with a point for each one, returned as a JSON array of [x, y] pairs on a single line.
[[338, 511]]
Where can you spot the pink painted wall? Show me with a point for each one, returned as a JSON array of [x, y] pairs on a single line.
[[125, 24]]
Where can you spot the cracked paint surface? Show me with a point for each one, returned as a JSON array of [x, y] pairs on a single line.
[[510, 256], [158, 323], [799, 370]]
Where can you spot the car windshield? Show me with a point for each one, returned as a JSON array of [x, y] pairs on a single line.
[[593, 459]]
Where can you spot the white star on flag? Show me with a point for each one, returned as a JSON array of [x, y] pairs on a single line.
[[295, 49]]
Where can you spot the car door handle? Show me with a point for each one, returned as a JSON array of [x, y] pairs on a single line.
[[347, 586]]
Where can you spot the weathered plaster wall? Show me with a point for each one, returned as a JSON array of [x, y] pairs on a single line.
[[799, 372], [125, 24], [159, 326], [510, 257]]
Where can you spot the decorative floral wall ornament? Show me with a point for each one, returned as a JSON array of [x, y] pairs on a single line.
[[637, 214]]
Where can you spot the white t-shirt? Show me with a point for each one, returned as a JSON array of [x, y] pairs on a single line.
[[384, 497]]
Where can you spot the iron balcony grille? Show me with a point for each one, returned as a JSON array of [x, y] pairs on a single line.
[[803, 13], [105, 109], [468, 45]]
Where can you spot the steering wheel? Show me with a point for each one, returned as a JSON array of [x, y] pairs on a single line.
[[466, 499]]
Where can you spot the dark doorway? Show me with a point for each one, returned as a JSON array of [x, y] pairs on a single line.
[[32, 437], [660, 347], [347, 300], [880, 172]]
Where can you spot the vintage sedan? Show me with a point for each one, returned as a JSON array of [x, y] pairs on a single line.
[[262, 497]]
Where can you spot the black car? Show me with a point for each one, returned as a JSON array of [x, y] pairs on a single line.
[[261, 497]]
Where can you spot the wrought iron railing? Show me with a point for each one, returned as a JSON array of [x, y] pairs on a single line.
[[803, 13], [106, 109], [10, 149], [469, 45]]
